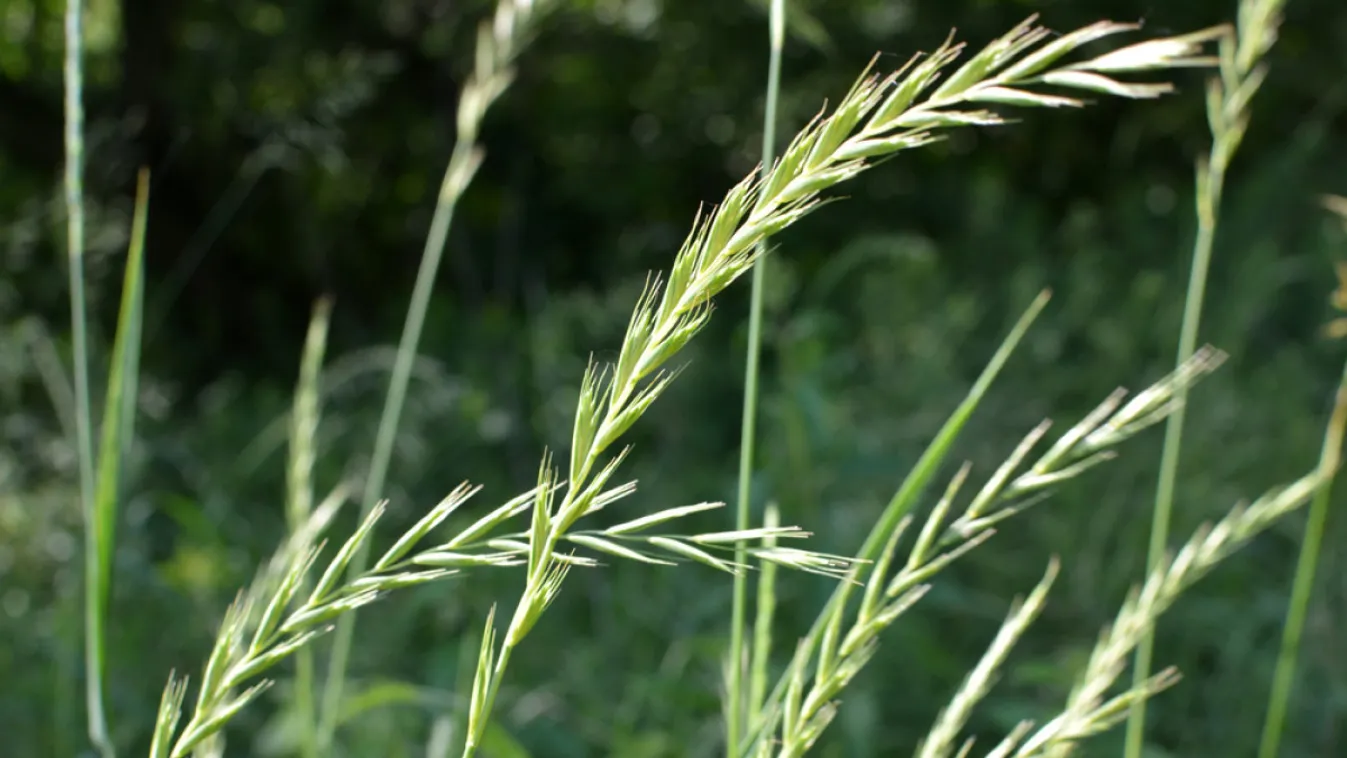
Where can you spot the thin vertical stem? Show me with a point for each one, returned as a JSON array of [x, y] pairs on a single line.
[[1169, 457], [736, 705], [94, 581], [1228, 99], [391, 416], [498, 43]]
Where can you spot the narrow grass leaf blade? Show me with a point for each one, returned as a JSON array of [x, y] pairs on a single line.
[[929, 463], [117, 435]]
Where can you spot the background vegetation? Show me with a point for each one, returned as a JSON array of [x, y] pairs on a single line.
[[296, 148]]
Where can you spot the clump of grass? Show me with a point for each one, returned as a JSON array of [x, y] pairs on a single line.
[[290, 604], [1087, 711], [1228, 96], [879, 117], [1330, 457], [842, 641]]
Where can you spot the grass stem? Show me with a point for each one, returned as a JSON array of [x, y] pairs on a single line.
[[1228, 99], [736, 705], [497, 46], [95, 580], [389, 420], [1161, 516]]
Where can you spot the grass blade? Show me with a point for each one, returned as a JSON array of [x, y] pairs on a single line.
[[116, 436], [119, 406]]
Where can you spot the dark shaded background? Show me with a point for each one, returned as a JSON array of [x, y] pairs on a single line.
[[295, 150]]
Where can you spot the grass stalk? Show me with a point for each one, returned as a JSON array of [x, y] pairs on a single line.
[[737, 705], [1228, 97], [1302, 586], [498, 43], [97, 562]]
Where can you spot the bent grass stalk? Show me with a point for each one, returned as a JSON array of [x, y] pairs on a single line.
[[498, 44], [1000, 74], [1228, 96]]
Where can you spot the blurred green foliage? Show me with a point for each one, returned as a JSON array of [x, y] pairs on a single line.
[[295, 149]]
